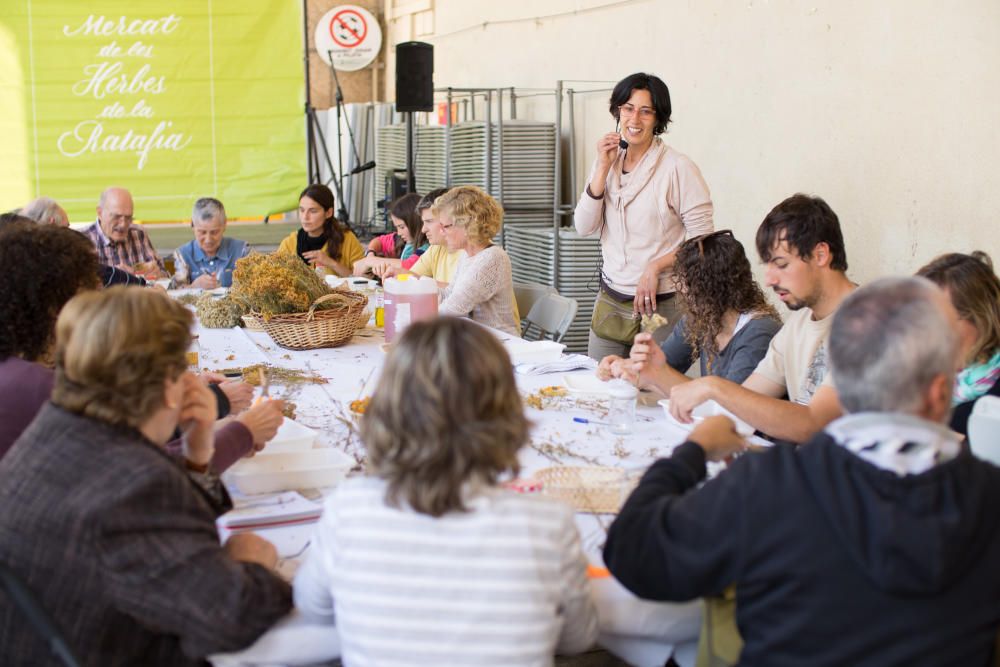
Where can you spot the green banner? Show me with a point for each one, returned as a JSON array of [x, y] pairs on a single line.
[[173, 100]]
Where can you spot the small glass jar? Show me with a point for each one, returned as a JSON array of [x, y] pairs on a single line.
[[192, 354], [621, 408]]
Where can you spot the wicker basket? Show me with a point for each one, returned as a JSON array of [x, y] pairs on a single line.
[[318, 328], [594, 489], [252, 323]]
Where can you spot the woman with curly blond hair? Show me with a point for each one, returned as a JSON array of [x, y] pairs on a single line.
[[428, 543], [483, 288], [727, 321]]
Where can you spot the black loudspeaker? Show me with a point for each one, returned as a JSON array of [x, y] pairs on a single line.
[[414, 76]]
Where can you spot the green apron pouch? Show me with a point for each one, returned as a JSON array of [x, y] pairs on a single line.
[[614, 320]]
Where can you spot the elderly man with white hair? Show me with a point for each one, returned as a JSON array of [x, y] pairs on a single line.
[[119, 243], [208, 260], [875, 543]]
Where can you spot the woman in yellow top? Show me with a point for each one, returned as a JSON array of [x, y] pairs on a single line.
[[322, 242]]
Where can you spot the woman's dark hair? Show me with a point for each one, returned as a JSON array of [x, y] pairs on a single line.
[[43, 267], [428, 199], [974, 290], [657, 90], [405, 208], [713, 276], [802, 222], [333, 230]]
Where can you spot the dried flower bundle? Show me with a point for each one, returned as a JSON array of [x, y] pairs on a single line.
[[277, 283], [220, 313]]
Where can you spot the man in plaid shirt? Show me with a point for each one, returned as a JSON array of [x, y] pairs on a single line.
[[119, 243]]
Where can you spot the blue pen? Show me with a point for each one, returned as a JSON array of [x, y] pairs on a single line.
[[584, 420]]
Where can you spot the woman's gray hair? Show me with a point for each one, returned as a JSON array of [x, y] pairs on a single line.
[[208, 208], [888, 342], [44, 210]]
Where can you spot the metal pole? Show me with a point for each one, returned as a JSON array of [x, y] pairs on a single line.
[[489, 141], [411, 178], [556, 198], [513, 104], [572, 143], [447, 142], [500, 157]]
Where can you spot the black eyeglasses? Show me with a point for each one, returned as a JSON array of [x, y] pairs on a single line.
[[704, 237]]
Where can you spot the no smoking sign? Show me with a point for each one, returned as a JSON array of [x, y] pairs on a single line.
[[348, 37]]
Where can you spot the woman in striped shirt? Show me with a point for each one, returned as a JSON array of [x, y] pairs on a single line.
[[426, 561]]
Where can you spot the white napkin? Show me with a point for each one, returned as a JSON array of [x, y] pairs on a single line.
[[568, 362]]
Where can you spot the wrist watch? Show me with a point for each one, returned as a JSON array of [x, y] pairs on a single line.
[[196, 467]]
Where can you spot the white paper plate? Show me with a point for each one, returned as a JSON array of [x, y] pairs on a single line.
[[706, 409]]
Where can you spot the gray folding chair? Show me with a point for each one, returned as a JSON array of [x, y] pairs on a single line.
[[552, 315], [526, 294]]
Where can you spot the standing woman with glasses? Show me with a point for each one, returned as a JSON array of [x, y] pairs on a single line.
[[644, 199]]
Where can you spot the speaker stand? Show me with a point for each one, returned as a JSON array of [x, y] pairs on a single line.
[[411, 176]]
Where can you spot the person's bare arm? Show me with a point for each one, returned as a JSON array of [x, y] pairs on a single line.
[[757, 402]]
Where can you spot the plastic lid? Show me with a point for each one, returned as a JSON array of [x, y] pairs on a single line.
[[410, 284], [622, 389]]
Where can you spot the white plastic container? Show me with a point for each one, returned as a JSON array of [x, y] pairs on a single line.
[[408, 298], [291, 437], [306, 469], [984, 429], [533, 352], [706, 409]]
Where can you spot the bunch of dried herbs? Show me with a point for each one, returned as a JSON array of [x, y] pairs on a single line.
[[220, 313], [277, 283]]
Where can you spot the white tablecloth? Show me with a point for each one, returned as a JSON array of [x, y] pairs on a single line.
[[640, 632]]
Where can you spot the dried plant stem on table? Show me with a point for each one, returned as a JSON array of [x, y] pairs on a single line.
[[351, 442], [556, 451], [540, 400], [619, 449], [277, 375]]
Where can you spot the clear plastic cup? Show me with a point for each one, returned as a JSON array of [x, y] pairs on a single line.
[[621, 408]]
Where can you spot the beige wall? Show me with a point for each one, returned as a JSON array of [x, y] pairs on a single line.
[[888, 109]]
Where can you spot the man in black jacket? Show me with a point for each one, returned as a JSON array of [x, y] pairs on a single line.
[[875, 543]]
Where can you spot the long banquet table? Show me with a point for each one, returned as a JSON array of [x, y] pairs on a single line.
[[640, 632]]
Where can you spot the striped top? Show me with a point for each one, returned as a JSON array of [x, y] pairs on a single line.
[[502, 584]]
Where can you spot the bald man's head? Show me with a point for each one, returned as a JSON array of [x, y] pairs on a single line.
[[114, 213]]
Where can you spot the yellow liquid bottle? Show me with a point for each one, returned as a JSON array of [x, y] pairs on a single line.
[[379, 308]]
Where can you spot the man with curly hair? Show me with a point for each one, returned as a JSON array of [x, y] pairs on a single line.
[[802, 246]]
